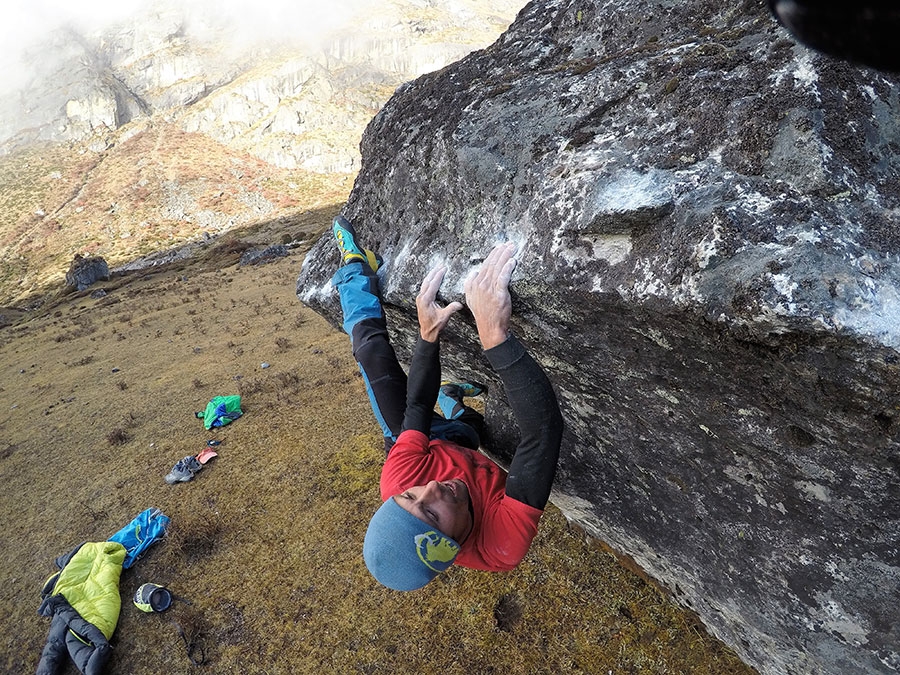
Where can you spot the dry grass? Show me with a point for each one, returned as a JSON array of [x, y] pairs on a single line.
[[265, 541], [158, 185], [117, 436]]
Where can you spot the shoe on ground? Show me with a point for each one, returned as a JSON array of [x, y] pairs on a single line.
[[183, 470]]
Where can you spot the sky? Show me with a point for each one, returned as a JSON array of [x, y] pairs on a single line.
[[27, 22]]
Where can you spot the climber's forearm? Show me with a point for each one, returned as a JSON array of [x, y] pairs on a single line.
[[536, 410], [422, 386]]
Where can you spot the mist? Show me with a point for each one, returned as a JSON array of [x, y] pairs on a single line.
[[28, 26]]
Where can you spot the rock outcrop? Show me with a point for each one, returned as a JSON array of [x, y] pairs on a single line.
[[85, 272], [261, 256], [707, 219]]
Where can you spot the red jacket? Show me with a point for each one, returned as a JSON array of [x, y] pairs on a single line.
[[503, 527]]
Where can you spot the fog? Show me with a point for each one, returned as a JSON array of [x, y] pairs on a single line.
[[27, 24]]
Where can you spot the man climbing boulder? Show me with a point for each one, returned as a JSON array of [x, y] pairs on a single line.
[[445, 503]]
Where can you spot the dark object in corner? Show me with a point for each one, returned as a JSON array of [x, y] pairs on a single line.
[[864, 32]]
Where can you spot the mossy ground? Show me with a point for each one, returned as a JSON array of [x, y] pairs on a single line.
[[97, 402]]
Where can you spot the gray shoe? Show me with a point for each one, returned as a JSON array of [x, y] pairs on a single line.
[[183, 470]]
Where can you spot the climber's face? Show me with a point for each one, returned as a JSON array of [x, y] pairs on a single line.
[[442, 504]]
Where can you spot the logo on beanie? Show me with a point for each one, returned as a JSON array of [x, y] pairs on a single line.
[[436, 550]]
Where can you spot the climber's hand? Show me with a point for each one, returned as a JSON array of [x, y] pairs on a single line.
[[487, 295], [433, 317]]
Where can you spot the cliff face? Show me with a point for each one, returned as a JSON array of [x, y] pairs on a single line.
[[296, 101], [706, 214]]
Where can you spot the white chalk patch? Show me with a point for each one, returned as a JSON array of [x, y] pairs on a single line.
[[437, 260], [707, 247], [807, 237], [783, 285], [323, 291], [877, 314], [755, 203], [631, 191], [805, 74], [614, 248], [814, 490]]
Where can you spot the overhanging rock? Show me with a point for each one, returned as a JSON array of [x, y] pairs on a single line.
[[707, 216]]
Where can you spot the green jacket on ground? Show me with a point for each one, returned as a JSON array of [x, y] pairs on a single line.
[[84, 601]]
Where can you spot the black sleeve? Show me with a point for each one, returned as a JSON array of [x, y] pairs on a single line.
[[422, 386], [536, 409]]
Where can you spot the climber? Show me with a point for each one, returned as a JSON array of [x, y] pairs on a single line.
[[445, 503]]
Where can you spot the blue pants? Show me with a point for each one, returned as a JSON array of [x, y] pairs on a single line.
[[385, 381]]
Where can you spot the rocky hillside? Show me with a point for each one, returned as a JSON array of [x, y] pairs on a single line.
[[153, 187], [179, 125], [295, 101]]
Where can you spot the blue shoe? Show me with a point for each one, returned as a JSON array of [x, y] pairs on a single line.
[[345, 236], [451, 395], [464, 388]]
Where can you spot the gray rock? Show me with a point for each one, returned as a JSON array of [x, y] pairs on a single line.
[[706, 216], [264, 255], [160, 258], [83, 272]]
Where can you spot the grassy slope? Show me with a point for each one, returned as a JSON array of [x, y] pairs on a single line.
[[97, 397], [266, 540]]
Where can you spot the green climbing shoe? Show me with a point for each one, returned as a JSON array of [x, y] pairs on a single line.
[[345, 236]]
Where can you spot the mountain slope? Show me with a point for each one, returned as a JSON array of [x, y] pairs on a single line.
[[182, 123], [155, 187]]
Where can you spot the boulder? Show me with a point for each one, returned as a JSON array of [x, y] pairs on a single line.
[[261, 256], [83, 272], [706, 215]]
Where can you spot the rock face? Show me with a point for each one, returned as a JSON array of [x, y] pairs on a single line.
[[289, 99], [707, 220], [84, 272]]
